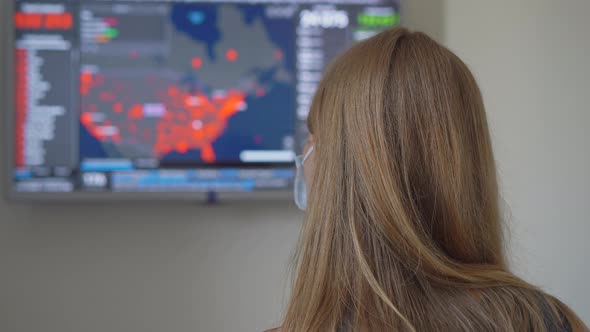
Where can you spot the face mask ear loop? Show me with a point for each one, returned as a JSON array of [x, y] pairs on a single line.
[[307, 155], [300, 189]]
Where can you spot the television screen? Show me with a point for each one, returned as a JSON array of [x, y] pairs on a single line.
[[161, 97]]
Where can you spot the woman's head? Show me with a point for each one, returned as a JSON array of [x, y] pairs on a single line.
[[403, 210], [400, 135]]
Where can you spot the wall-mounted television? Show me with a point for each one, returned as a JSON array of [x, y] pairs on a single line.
[[124, 99]]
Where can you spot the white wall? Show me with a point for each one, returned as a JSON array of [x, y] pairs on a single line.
[[177, 267], [532, 60]]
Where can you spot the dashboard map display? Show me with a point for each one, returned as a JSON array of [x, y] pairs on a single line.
[[204, 87], [163, 96]]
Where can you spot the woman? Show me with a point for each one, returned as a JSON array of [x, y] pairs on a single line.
[[403, 227]]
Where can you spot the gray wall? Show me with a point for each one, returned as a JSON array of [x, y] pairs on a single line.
[[531, 58], [144, 267], [181, 267]]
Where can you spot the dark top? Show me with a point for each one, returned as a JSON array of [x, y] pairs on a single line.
[[552, 322]]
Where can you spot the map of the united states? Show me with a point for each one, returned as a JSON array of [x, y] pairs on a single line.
[[224, 76]]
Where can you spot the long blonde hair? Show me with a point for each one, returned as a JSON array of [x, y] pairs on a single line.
[[403, 230]]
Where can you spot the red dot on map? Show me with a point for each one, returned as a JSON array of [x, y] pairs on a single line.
[[197, 62], [135, 112], [181, 147], [231, 55], [207, 153], [111, 21], [173, 91], [278, 54], [86, 77], [260, 92], [118, 107], [86, 118], [98, 134]]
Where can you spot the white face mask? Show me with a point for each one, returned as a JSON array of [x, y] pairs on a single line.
[[300, 188]]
